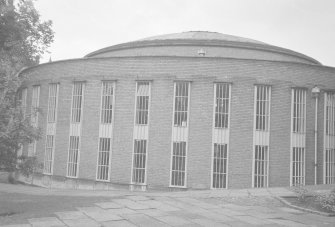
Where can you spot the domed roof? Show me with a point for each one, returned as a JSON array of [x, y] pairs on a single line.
[[203, 44], [201, 35]]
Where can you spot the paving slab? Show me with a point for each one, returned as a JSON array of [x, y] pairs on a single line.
[[227, 212], [234, 207], [109, 205], [131, 204], [288, 223], [137, 197], [143, 220], [207, 222], [119, 211], [66, 215], [18, 225], [45, 222], [82, 223], [174, 220], [90, 209], [153, 212], [252, 220], [106, 215], [122, 223]]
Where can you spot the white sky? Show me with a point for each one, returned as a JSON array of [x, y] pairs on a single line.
[[83, 26]]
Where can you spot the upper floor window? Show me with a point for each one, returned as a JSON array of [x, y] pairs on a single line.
[[299, 110], [262, 106], [142, 102], [77, 99], [181, 103], [107, 102], [52, 102], [221, 105]]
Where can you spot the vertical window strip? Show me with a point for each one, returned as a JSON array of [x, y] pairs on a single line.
[[35, 105], [142, 103], [329, 138], [52, 103], [107, 102], [104, 158], [298, 136], [48, 157], [220, 166], [179, 134], [260, 166], [73, 159], [106, 127], [181, 104], [261, 135], [77, 99], [221, 105], [139, 161], [178, 164], [220, 135]]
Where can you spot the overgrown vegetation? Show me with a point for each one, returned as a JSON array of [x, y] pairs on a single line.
[[325, 201], [24, 38]]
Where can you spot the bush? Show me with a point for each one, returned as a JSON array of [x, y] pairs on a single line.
[[301, 192], [327, 200], [29, 165]]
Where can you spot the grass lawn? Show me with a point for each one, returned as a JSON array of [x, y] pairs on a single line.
[[309, 203], [16, 208]]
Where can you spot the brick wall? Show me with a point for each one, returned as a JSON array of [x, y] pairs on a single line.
[[203, 72]]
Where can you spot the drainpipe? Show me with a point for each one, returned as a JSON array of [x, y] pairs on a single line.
[[315, 93]]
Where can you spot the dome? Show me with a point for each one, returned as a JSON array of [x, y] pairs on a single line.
[[202, 35], [202, 44]]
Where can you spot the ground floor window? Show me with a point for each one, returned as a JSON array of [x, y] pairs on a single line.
[[298, 166], [48, 156], [260, 166], [178, 169], [139, 161], [72, 163], [219, 166], [330, 166], [103, 159]]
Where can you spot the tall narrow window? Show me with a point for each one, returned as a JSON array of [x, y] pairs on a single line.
[[107, 102], [105, 131], [75, 129], [298, 136], [22, 101], [220, 166], [178, 171], [329, 138], [35, 100], [35, 105], [178, 164], [220, 135], [103, 159], [77, 99], [221, 105], [141, 131], [51, 128], [73, 161], [142, 103], [181, 104], [261, 135], [139, 163]]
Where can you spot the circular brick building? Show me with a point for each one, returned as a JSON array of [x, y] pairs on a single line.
[[188, 110]]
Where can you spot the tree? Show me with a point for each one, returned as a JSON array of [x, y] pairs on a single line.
[[24, 38]]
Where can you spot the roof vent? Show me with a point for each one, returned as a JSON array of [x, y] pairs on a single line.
[[201, 52]]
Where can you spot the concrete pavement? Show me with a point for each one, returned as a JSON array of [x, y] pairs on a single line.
[[247, 207]]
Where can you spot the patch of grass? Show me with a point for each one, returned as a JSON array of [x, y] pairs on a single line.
[[309, 202]]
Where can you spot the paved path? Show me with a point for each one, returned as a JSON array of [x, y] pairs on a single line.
[[191, 208]]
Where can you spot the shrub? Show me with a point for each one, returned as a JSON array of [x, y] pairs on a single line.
[[327, 200], [29, 165], [301, 192]]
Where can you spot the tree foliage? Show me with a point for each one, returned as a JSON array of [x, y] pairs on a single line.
[[24, 38]]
